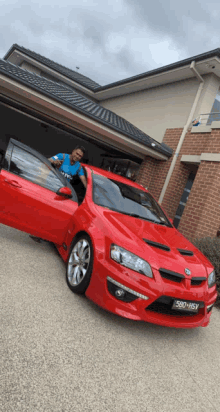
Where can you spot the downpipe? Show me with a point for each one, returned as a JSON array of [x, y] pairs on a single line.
[[185, 129]]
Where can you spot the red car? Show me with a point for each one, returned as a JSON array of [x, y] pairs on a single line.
[[120, 248]]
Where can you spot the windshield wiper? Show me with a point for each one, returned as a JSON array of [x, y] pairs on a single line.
[[145, 218], [160, 222], [134, 215]]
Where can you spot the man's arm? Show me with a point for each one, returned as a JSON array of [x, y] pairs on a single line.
[[83, 180]]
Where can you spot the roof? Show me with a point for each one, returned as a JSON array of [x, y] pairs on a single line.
[[181, 63], [95, 87], [70, 98], [71, 74]]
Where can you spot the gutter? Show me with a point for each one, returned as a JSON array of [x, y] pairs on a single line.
[[185, 129], [181, 64], [207, 55]]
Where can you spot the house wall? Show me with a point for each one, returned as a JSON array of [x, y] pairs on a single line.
[[164, 107], [201, 216], [29, 67], [208, 95]]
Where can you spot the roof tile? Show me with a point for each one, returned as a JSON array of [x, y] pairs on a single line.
[[71, 74], [80, 103]]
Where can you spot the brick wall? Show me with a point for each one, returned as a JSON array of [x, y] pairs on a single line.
[[197, 143], [146, 171], [153, 172], [201, 216]]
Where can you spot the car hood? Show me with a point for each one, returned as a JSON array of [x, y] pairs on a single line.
[[134, 234]]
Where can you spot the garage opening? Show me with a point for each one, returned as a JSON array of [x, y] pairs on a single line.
[[50, 137]]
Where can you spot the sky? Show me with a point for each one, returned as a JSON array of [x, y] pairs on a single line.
[[111, 40]]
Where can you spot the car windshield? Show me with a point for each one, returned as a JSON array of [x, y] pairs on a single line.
[[126, 199]]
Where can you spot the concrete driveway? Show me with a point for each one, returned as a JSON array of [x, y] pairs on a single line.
[[62, 353]]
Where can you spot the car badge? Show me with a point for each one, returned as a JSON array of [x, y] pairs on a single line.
[[187, 271]]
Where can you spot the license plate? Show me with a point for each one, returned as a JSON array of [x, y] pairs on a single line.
[[183, 305]]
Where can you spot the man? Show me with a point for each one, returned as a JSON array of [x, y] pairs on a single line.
[[69, 165], [196, 122]]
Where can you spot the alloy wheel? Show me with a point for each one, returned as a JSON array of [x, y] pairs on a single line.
[[79, 261]]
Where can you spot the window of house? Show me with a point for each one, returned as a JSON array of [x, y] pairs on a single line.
[[215, 111]]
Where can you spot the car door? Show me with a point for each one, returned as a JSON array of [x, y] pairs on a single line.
[[28, 194]]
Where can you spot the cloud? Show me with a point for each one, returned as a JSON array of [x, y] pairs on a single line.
[[111, 40], [191, 24]]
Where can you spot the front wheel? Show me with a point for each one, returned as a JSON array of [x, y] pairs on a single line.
[[80, 264]]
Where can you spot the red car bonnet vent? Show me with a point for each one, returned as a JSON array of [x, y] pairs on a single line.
[[185, 252], [158, 245]]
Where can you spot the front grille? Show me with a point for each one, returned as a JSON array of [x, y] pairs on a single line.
[[197, 281], [164, 304], [173, 276]]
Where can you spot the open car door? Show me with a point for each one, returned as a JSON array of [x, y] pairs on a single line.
[[29, 199]]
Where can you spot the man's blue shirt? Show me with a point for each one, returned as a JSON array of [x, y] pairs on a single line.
[[67, 169]]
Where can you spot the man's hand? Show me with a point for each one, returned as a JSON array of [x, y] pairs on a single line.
[[56, 163]]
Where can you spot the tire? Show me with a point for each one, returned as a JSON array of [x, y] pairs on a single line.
[[80, 264]]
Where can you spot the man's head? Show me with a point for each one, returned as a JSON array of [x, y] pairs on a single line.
[[77, 154]]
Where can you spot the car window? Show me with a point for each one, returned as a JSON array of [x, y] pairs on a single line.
[[31, 168], [127, 199]]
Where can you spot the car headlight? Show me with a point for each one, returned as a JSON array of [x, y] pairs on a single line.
[[131, 261], [211, 279]]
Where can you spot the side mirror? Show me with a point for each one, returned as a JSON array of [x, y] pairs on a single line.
[[64, 191], [171, 221]]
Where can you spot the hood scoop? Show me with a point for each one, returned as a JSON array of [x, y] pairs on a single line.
[[157, 245], [185, 252]]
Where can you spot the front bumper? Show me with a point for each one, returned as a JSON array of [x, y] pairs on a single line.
[[160, 293]]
